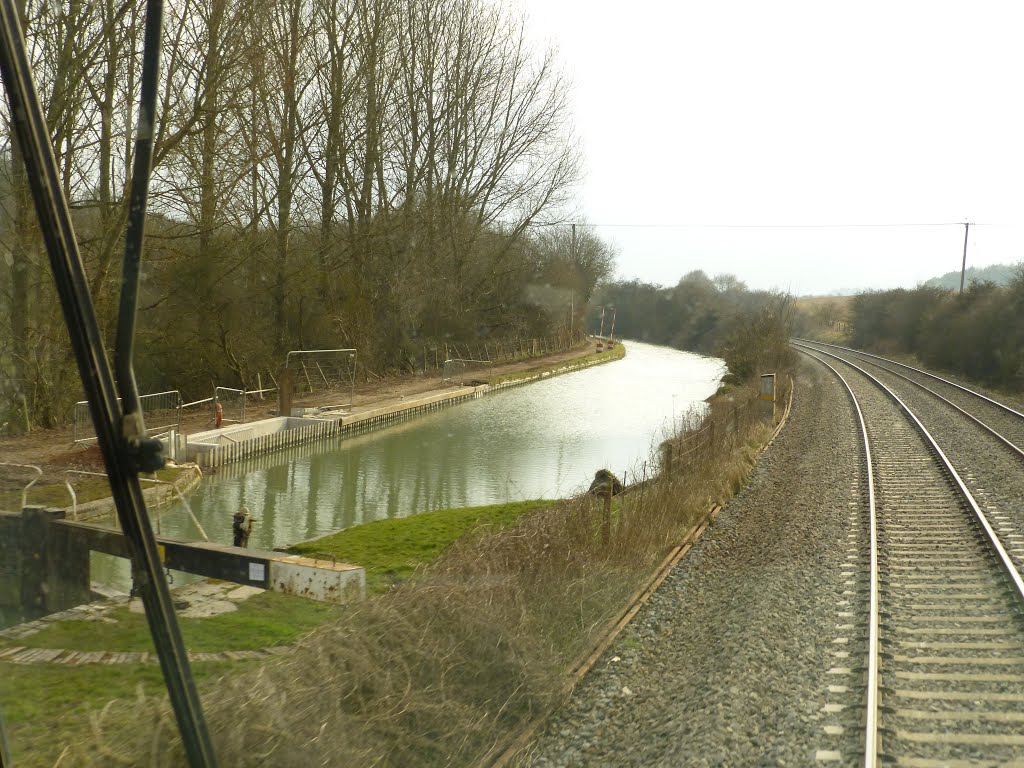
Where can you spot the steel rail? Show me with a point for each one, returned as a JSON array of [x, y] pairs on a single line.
[[930, 375], [871, 719], [989, 535], [996, 545], [1005, 441], [123, 451]]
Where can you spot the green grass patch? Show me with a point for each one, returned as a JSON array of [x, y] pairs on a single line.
[[615, 353], [263, 620], [390, 550], [47, 706]]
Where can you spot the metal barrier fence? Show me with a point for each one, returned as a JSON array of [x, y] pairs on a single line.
[[458, 370], [232, 402], [161, 410], [317, 370]]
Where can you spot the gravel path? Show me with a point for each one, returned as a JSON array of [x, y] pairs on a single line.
[[740, 658]]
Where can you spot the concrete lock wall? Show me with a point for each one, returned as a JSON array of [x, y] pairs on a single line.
[[329, 583], [44, 569], [237, 433]]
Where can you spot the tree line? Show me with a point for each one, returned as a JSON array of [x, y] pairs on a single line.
[[712, 316], [327, 173], [978, 333]]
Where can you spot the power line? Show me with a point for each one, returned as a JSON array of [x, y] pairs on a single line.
[[651, 225]]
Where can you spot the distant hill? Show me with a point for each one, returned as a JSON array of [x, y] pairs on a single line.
[[1000, 274]]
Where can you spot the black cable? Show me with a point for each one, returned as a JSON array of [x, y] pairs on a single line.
[[119, 457], [684, 225], [141, 169]]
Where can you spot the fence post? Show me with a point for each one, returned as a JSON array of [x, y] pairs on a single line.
[[285, 392]]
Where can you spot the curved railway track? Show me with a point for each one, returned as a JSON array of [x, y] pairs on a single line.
[[984, 439], [945, 630], [999, 417]]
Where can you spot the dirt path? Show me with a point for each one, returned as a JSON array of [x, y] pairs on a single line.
[[54, 450]]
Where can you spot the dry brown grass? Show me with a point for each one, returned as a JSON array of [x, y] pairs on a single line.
[[445, 668]]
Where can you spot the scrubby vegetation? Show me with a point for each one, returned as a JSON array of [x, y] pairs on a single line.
[[978, 333], [712, 316], [444, 667]]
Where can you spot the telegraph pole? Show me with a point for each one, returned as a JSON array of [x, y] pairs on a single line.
[[963, 267]]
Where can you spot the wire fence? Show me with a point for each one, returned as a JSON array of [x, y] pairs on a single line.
[[721, 431], [161, 411], [319, 370], [459, 371], [436, 355]]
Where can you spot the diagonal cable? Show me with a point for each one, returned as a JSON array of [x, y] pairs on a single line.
[[122, 456]]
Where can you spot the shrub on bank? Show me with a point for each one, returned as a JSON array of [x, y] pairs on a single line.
[[976, 333]]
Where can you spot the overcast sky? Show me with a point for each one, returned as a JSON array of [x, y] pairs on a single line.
[[700, 113]]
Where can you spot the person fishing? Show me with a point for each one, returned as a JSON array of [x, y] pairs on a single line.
[[241, 526]]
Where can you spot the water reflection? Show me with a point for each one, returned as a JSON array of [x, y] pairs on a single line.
[[543, 440]]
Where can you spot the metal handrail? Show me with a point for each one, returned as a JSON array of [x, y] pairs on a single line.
[[33, 481], [153, 480]]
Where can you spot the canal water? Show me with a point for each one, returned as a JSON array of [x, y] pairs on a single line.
[[540, 440]]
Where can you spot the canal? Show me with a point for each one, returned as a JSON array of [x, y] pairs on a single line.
[[541, 440]]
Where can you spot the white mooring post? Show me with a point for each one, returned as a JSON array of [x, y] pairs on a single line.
[[767, 397]]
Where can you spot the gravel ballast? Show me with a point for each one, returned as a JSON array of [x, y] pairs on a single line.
[[750, 653], [990, 470]]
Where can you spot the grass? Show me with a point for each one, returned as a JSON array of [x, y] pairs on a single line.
[[615, 353], [263, 620], [391, 550], [48, 707]]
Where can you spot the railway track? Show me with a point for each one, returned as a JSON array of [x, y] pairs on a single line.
[[983, 438], [945, 628], [1000, 418]]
